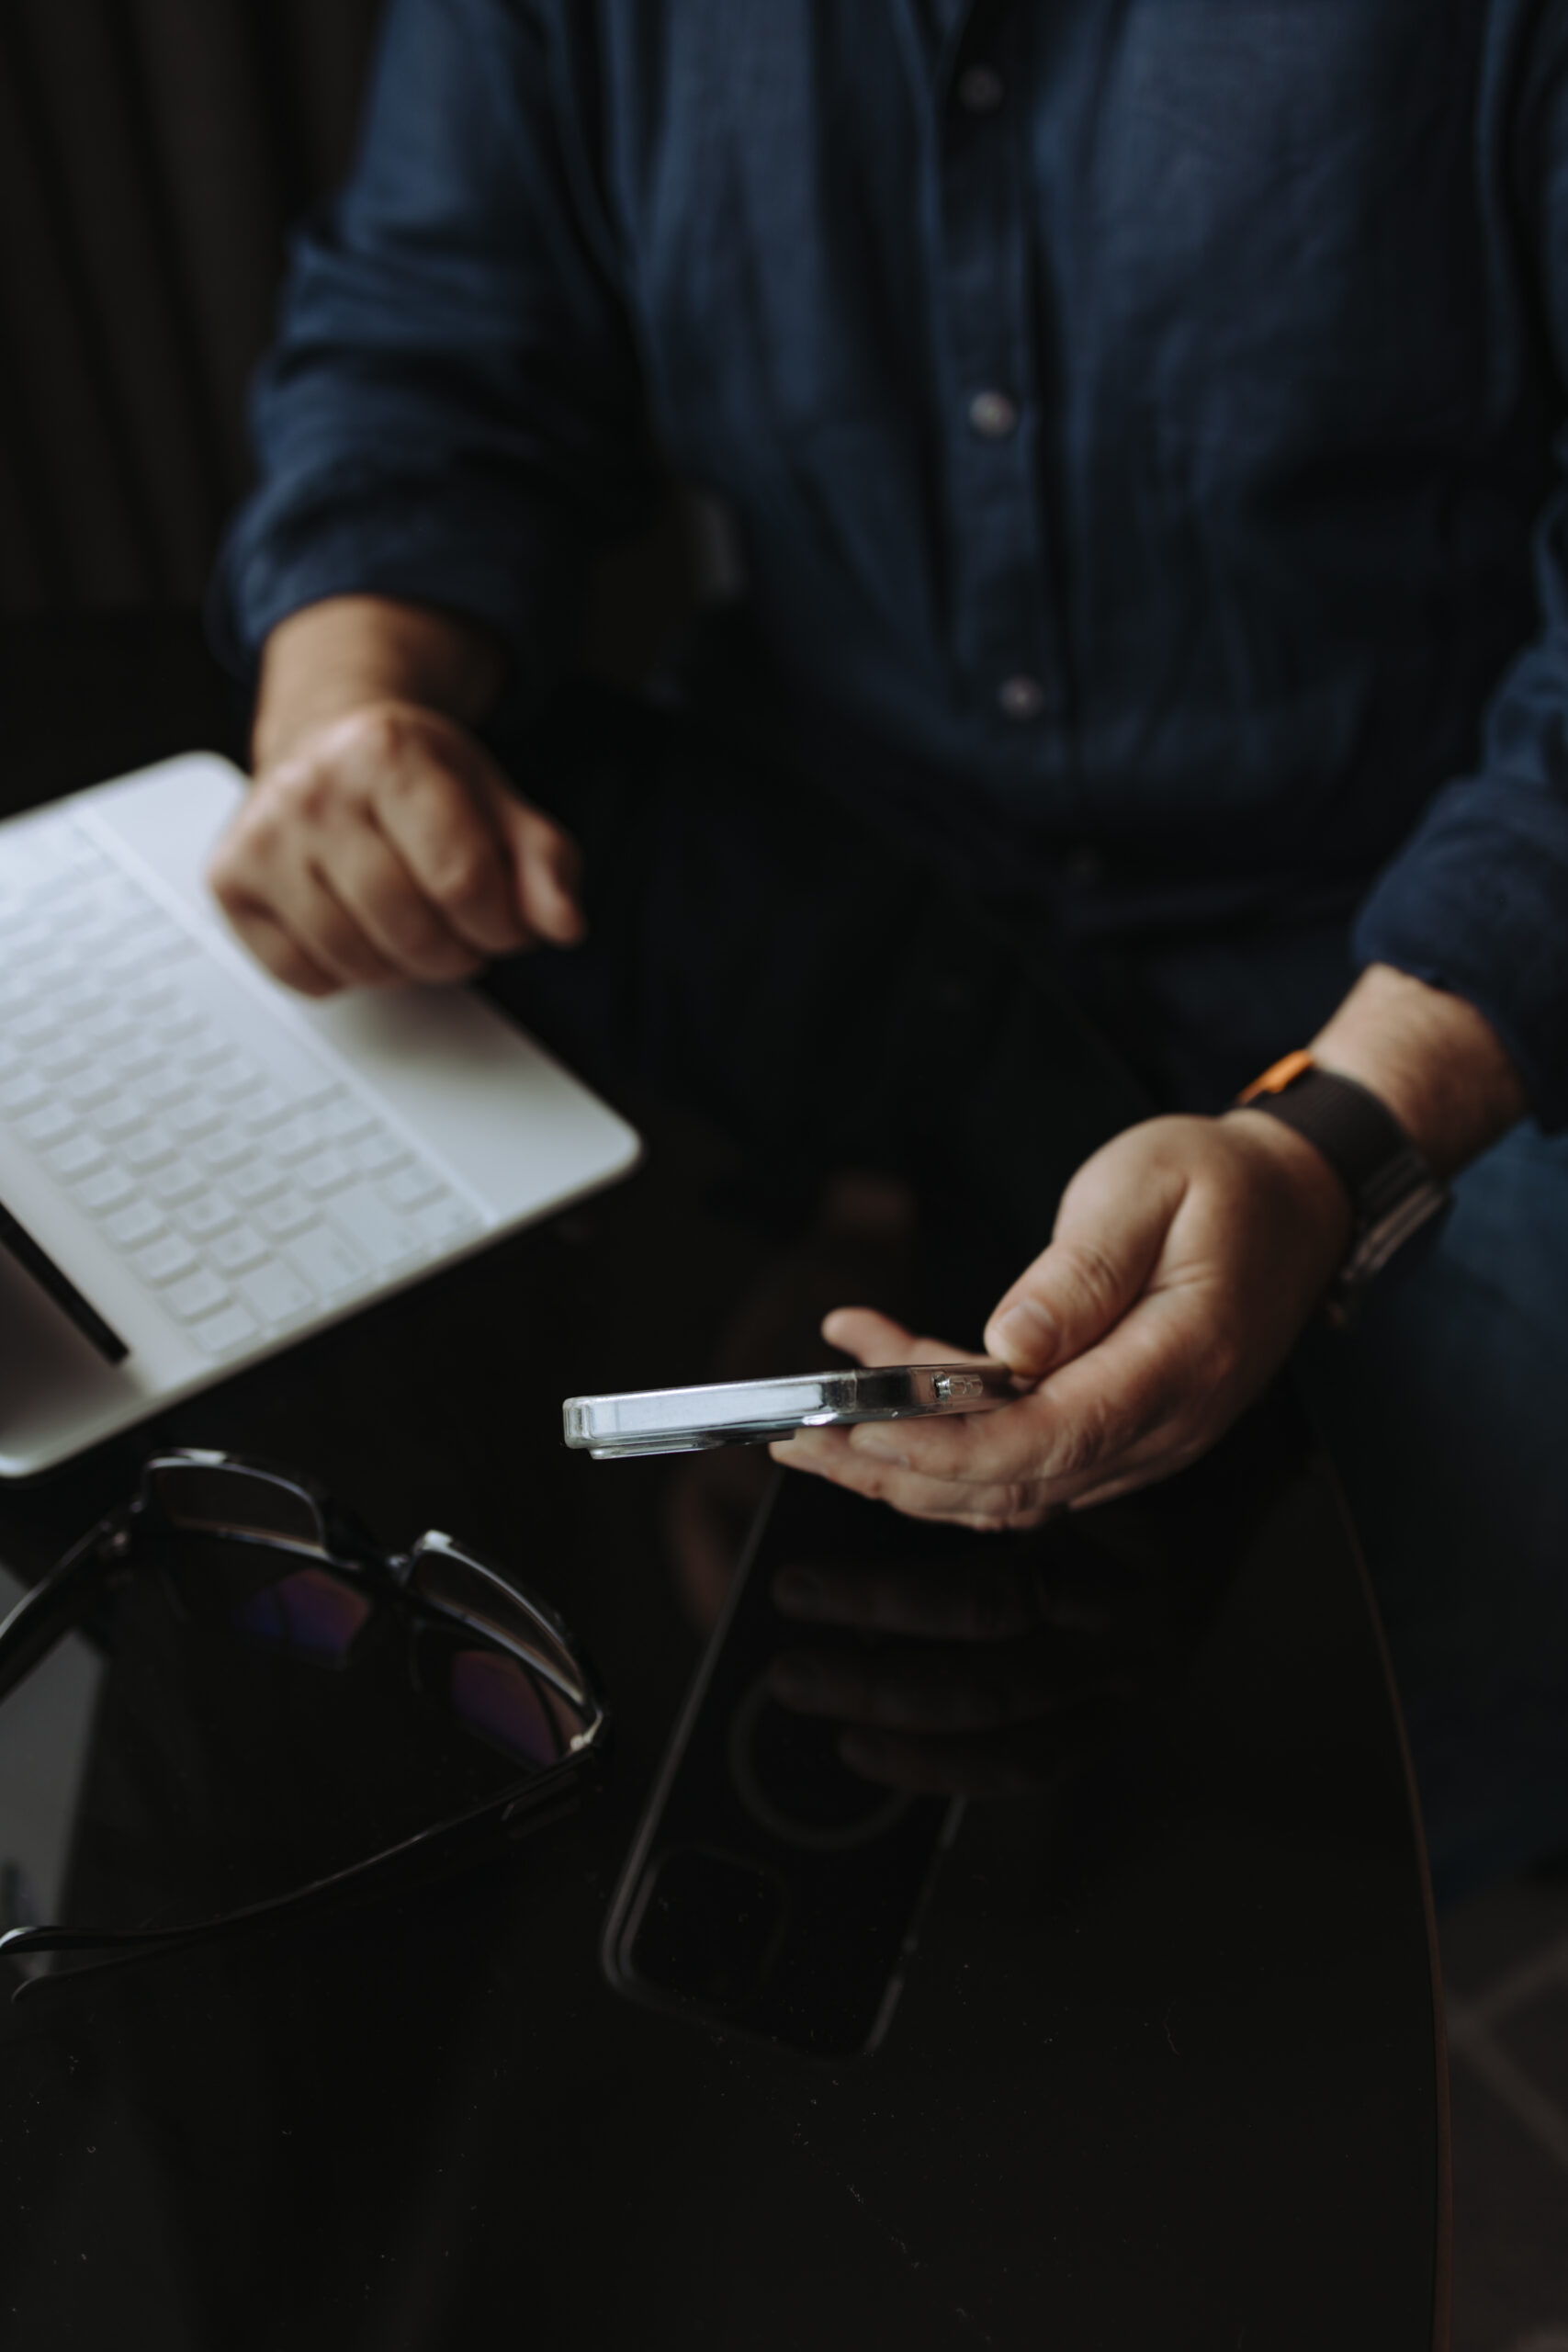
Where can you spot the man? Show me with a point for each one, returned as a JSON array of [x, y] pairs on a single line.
[[1135, 420]]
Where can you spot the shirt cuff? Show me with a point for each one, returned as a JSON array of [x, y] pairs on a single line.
[[1477, 903], [440, 547]]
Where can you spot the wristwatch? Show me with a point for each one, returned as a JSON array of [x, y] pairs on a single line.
[[1393, 1189]]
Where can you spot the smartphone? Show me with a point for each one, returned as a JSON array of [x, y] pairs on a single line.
[[770, 1890], [752, 1412]]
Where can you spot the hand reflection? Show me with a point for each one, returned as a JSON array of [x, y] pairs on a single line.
[[973, 1676]]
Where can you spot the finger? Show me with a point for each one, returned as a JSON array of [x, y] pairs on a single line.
[[406, 930], [827, 1454], [302, 909], [1107, 1240], [445, 829], [276, 949], [1154, 1375], [1136, 1403], [330, 934], [546, 866], [405, 927], [874, 1339]]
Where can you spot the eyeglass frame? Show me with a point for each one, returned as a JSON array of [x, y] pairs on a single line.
[[48, 1611]]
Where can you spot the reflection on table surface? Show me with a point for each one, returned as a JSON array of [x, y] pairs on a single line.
[[1143, 2054]]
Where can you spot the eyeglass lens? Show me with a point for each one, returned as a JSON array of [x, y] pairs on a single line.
[[230, 1498]]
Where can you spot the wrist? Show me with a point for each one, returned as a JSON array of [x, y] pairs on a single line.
[[351, 653], [1320, 1193], [1391, 1188], [1432, 1060]]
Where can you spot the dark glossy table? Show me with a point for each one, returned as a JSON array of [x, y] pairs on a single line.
[[1165, 2069]]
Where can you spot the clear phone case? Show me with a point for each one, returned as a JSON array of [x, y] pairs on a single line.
[[752, 1412]]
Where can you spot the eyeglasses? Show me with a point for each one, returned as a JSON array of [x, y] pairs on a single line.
[[248, 1550]]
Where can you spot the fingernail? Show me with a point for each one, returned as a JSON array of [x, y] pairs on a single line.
[[1027, 1329], [796, 1680], [798, 1591]]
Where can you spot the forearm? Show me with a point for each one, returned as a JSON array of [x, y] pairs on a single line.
[[1431, 1057], [349, 651]]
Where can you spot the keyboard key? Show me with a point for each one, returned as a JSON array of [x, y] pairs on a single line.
[[78, 1156], [80, 999], [221, 1333], [448, 1219], [348, 1122], [233, 1252], [379, 1152], [106, 1190], [192, 1120], [207, 1051], [33, 1027], [21, 1094], [179, 1180], [162, 1261], [138, 1221], [259, 1112], [387, 1239], [206, 1215], [64, 1057], [296, 1138], [89, 1087], [237, 1076], [150, 1149], [52, 1123], [121, 1115], [286, 1215], [109, 1029], [198, 1295], [256, 1182], [173, 1084], [275, 1293], [228, 1149], [145, 1056], [328, 1259], [327, 1172], [410, 1186], [181, 1025]]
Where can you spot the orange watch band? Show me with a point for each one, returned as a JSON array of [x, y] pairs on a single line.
[[1277, 1076]]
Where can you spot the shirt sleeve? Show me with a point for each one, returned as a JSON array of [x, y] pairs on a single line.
[[1476, 901], [453, 412]]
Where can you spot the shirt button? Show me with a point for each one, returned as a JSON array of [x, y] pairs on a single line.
[[992, 415], [1021, 697], [980, 89]]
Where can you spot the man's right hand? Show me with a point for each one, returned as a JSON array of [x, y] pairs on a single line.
[[387, 845], [379, 842]]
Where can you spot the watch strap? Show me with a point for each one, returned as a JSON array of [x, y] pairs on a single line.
[[1392, 1187]]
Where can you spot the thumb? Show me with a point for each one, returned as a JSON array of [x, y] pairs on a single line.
[[546, 865], [1106, 1245]]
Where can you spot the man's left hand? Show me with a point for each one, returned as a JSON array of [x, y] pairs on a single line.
[[1188, 1255]]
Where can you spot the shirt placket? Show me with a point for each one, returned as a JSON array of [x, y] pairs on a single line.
[[1010, 668]]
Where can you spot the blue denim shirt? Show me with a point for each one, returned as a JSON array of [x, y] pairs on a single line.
[[1138, 416]]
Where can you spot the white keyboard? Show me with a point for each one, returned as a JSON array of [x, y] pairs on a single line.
[[245, 1181]]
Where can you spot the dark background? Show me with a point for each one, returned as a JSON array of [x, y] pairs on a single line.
[[153, 154]]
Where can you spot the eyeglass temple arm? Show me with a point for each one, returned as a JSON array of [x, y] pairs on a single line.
[[37, 1622]]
